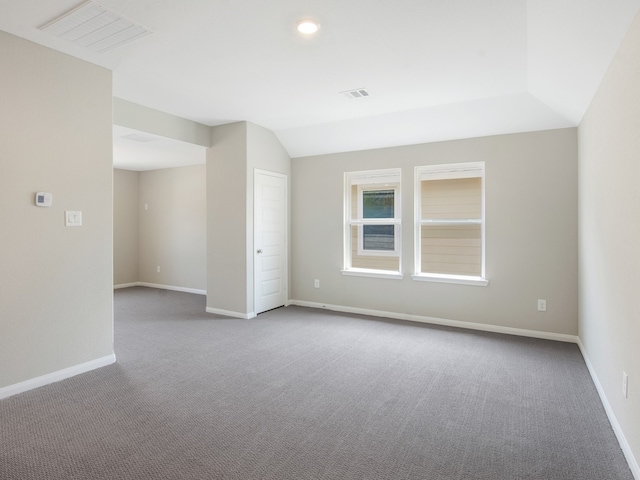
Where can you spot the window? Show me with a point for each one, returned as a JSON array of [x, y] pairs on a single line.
[[374, 203], [450, 223], [372, 232]]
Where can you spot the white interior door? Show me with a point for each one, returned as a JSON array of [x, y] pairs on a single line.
[[270, 240]]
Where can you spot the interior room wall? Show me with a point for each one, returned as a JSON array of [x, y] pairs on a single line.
[[531, 233], [172, 227], [145, 119], [227, 219], [56, 297], [609, 152], [125, 226], [264, 152], [237, 149]]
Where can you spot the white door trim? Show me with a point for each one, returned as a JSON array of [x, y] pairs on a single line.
[[285, 266]]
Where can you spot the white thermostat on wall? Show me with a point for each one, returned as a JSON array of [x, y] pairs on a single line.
[[44, 199]]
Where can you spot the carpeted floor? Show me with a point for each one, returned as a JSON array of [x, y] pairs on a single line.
[[301, 394]]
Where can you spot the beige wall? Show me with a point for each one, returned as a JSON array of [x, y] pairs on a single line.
[[139, 117], [609, 146], [531, 239], [172, 227], [56, 297], [264, 152], [237, 149], [227, 218], [125, 226]]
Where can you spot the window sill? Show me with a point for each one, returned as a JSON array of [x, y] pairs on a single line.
[[457, 279], [363, 272]]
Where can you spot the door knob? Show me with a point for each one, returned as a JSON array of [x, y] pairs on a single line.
[[259, 250]]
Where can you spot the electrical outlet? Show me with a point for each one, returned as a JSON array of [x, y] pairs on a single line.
[[542, 305], [158, 269], [316, 283], [625, 384]]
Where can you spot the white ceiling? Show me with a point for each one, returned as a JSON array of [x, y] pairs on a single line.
[[436, 69]]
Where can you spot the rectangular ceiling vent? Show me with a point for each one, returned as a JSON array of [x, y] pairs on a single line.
[[95, 27], [357, 93]]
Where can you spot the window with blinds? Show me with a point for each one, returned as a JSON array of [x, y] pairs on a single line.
[[450, 223], [372, 223]]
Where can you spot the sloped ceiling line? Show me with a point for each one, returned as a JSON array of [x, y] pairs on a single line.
[[436, 69]]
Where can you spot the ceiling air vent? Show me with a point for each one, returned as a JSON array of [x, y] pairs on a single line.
[[95, 27], [357, 93]]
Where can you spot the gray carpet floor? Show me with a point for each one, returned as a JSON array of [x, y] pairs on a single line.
[[301, 394]]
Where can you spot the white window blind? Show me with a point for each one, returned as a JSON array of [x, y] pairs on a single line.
[[450, 221]]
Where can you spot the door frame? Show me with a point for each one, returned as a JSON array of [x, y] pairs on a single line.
[[285, 267]]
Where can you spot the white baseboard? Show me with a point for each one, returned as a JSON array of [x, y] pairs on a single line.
[[442, 321], [626, 448], [56, 376], [175, 289], [126, 285], [229, 313], [163, 287]]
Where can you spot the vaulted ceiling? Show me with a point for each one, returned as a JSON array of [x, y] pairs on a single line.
[[435, 69]]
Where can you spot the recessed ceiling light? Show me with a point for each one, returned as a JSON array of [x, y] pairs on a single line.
[[308, 27]]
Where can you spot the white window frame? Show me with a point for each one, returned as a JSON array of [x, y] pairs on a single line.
[[382, 221], [368, 180], [442, 172]]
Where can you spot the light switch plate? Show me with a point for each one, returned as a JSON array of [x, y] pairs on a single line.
[[73, 218]]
